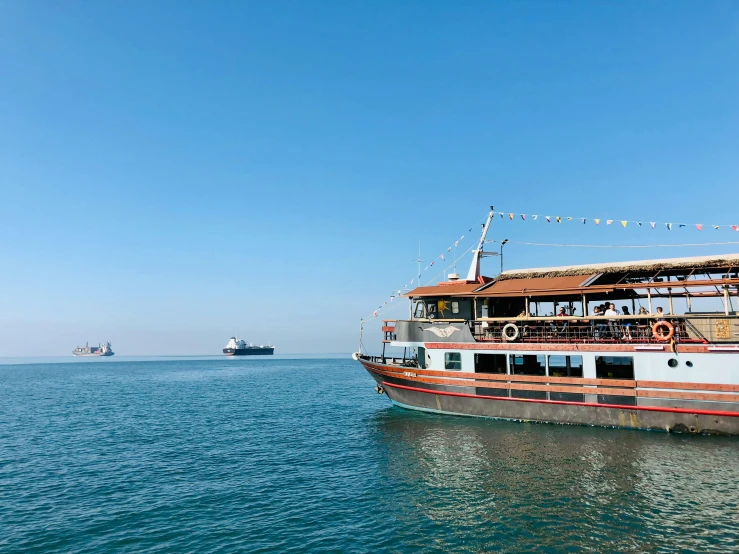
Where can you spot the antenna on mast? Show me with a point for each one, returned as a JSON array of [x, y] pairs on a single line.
[[419, 260], [474, 273]]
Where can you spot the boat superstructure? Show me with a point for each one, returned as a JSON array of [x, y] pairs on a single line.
[[237, 347], [100, 350], [531, 345]]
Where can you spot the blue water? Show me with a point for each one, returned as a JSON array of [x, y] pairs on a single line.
[[228, 455]]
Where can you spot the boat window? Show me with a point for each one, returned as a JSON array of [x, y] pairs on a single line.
[[455, 307], [418, 313], [528, 364], [565, 366], [432, 310], [453, 361], [490, 363], [421, 357], [614, 367]]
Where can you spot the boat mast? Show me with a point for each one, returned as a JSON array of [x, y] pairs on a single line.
[[474, 272], [419, 261]]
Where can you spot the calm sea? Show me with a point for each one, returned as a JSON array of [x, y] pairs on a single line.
[[302, 455]]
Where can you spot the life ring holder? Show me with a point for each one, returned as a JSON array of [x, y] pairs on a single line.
[[505, 332], [660, 336]]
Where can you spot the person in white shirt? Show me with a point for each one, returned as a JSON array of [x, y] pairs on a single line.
[[613, 323]]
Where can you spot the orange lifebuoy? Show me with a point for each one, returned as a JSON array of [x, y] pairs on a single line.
[[660, 336]]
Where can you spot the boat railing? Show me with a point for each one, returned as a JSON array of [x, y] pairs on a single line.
[[684, 328], [394, 360]]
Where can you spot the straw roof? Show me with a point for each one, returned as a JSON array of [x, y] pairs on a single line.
[[698, 262]]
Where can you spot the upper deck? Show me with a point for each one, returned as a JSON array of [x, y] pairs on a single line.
[[698, 297]]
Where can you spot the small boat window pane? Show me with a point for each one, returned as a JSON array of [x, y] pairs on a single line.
[[565, 366], [528, 364], [490, 363], [614, 367], [455, 307], [453, 361]]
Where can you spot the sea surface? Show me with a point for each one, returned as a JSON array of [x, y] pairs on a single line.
[[302, 455]]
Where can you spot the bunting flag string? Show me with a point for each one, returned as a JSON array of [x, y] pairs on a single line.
[[511, 216], [443, 257]]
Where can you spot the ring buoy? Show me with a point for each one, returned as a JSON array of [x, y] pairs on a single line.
[[356, 356], [661, 336], [507, 336]]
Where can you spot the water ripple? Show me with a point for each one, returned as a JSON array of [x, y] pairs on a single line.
[[302, 455]]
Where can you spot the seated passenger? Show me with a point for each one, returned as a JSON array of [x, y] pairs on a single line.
[[643, 311], [597, 328]]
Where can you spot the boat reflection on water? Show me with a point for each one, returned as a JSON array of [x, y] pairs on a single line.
[[475, 477]]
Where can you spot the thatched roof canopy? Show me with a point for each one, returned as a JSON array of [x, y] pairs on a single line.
[[719, 262]]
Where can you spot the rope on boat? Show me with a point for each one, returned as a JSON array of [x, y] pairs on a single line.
[[622, 245]]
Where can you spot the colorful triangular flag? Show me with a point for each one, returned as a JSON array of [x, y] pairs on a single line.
[[523, 216], [510, 216], [609, 221], [735, 227], [638, 223], [548, 219], [716, 227], [597, 221], [559, 219], [624, 223], [432, 263], [652, 223], [442, 256], [584, 220], [699, 226], [669, 226], [535, 217], [569, 219], [681, 225]]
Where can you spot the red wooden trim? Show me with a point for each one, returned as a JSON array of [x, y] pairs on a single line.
[[510, 384], [689, 395], [563, 402], [543, 348], [505, 377], [686, 386]]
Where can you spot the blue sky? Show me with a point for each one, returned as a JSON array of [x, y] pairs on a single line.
[[172, 173]]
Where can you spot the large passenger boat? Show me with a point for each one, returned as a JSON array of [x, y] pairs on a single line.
[[495, 348]]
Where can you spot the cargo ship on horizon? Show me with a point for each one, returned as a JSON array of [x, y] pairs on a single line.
[[236, 347], [99, 350]]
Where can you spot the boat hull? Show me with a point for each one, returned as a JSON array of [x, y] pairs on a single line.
[[93, 354], [259, 351], [469, 401]]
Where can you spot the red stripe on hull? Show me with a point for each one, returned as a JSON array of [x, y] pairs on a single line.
[[566, 403]]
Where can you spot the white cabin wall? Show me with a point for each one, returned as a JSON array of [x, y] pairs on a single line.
[[712, 367]]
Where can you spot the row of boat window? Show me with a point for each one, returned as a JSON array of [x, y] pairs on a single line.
[[606, 367]]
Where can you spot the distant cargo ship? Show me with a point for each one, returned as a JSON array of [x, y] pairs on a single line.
[[236, 347], [99, 350]]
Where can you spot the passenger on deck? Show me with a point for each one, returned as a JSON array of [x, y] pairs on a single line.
[[560, 328], [643, 311], [596, 328], [659, 314], [626, 324], [613, 323]]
